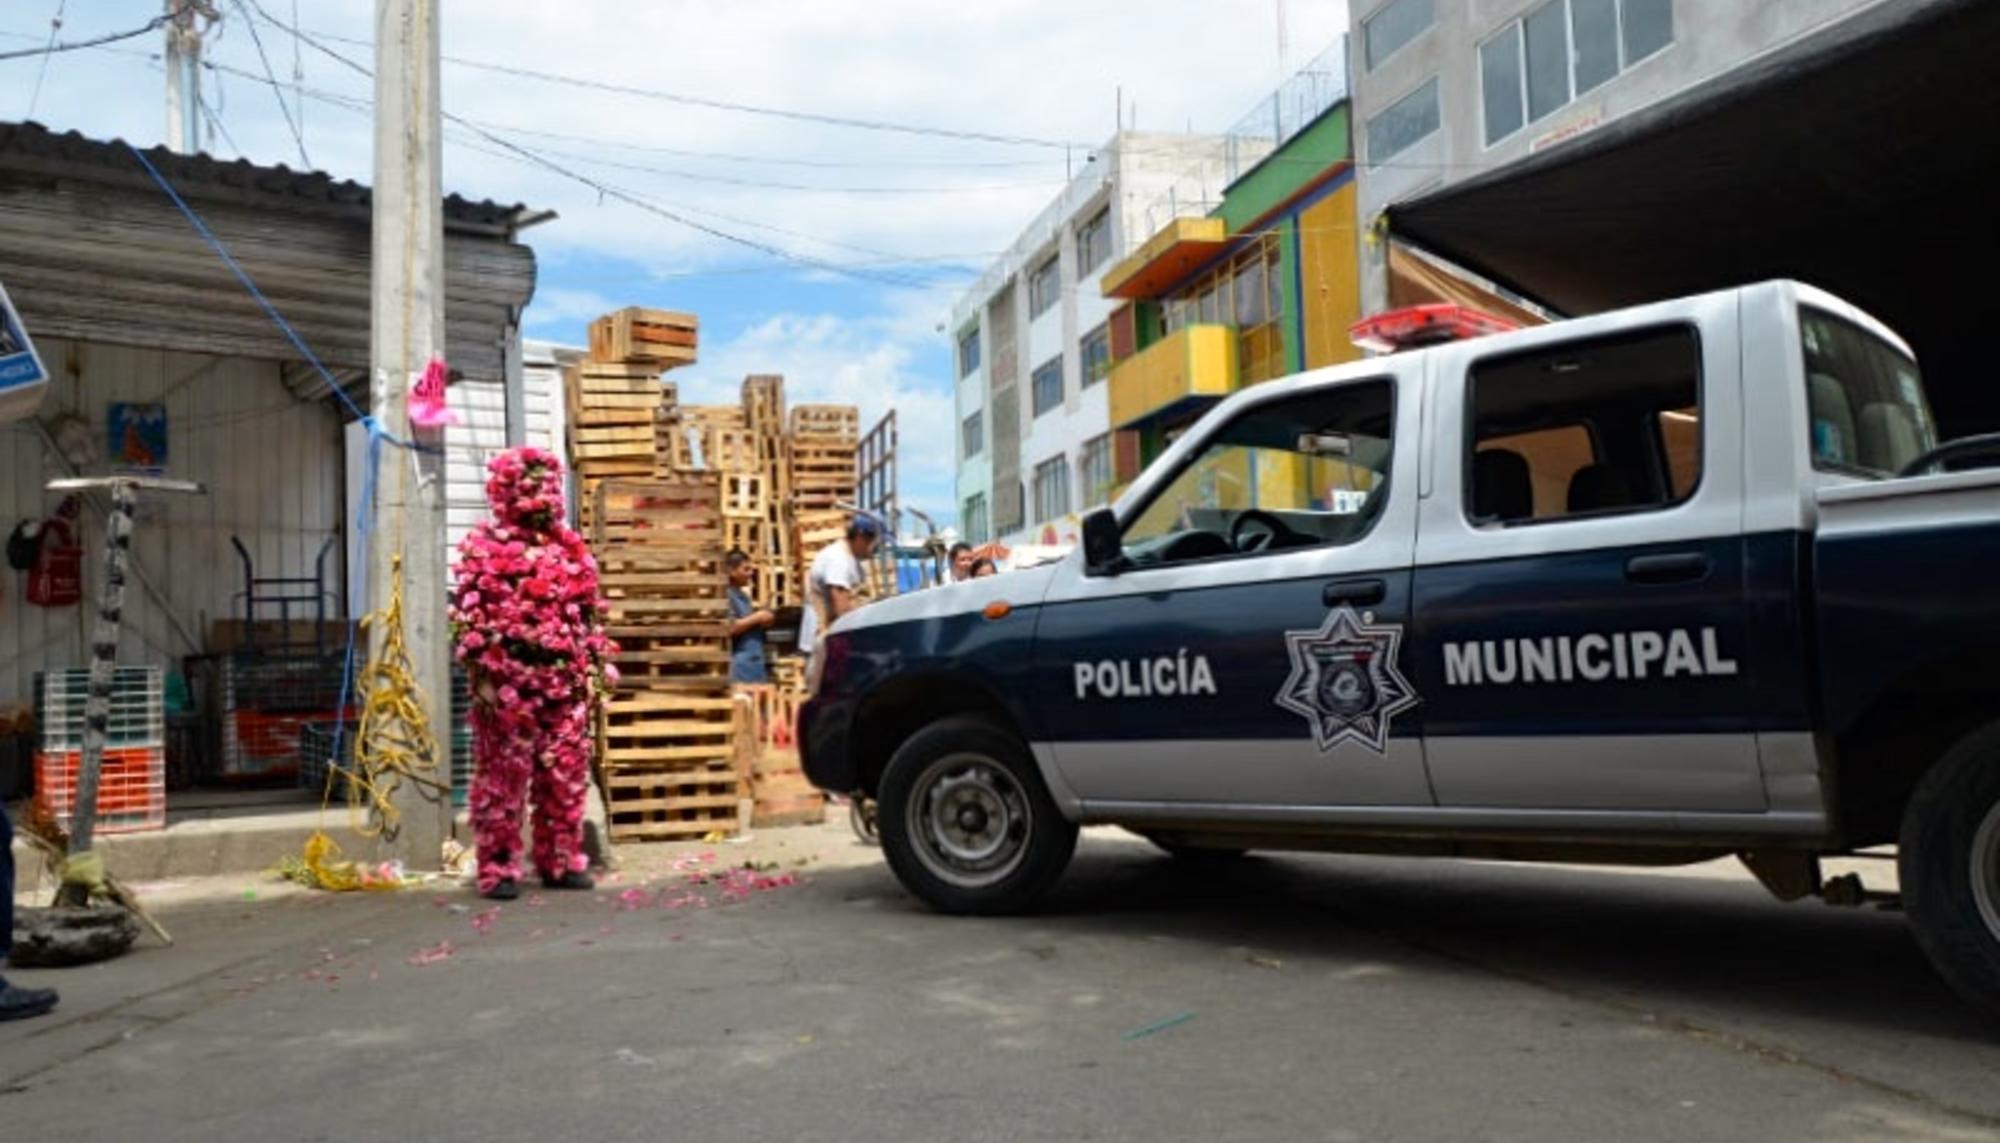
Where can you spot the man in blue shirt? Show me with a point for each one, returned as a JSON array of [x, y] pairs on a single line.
[[747, 622]]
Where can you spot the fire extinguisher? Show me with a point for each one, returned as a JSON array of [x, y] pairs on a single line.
[[56, 580]]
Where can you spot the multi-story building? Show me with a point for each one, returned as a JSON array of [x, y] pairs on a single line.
[[1031, 343], [1448, 91], [1257, 285]]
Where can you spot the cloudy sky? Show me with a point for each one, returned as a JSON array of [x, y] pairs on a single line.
[[827, 252]]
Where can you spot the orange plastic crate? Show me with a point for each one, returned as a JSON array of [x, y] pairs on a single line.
[[131, 787]]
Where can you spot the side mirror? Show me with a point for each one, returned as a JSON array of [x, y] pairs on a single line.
[[1103, 554]]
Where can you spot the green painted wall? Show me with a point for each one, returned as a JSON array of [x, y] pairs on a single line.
[[1288, 269], [1304, 158]]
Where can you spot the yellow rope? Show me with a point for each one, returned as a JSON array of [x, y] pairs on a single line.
[[393, 744]]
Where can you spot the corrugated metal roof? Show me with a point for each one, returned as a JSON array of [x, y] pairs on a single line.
[[30, 145]]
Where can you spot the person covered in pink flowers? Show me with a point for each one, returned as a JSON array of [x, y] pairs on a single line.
[[525, 621]]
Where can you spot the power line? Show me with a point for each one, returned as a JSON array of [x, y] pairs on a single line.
[[152, 25], [277, 89], [215, 123], [55, 29], [674, 212], [706, 102], [765, 184]]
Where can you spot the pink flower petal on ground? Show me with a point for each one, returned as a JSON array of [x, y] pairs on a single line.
[[440, 952]]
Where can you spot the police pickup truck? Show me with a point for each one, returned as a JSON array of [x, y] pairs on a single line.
[[1658, 586]]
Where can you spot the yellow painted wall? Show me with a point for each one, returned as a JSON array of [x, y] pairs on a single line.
[[1330, 272]]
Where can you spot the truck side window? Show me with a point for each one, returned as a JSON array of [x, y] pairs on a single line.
[[1865, 398], [1585, 429], [1304, 471]]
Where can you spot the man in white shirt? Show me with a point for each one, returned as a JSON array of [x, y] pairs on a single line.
[[833, 583]]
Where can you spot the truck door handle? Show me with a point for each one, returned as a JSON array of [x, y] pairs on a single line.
[[1359, 592], [1672, 567]]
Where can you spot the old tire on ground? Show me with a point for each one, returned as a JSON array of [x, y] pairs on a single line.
[[967, 824], [1949, 862]]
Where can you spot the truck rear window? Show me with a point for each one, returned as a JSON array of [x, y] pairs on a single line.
[[1865, 399]]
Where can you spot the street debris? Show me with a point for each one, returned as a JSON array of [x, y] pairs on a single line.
[[1155, 1028], [441, 951]]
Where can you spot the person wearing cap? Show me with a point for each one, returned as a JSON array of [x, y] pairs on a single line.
[[747, 623], [833, 583]]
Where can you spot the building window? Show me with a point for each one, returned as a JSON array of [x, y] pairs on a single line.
[[1049, 385], [1247, 293], [974, 430], [1403, 124], [968, 352], [1500, 83], [1044, 286], [1094, 470], [1096, 353], [1093, 244], [1052, 489], [972, 523], [1393, 25], [1537, 65]]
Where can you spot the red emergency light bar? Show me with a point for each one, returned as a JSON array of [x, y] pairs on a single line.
[[1414, 327]]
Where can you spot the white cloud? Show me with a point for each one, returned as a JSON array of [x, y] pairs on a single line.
[[866, 363], [1049, 69]]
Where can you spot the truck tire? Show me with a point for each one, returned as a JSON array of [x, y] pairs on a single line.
[[967, 824], [1949, 863]]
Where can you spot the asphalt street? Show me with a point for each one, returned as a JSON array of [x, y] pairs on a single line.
[[1282, 998]]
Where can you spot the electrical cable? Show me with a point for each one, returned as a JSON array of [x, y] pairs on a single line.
[[277, 89], [55, 29], [153, 25], [704, 101]]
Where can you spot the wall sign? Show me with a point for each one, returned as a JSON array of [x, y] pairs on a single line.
[[138, 435], [23, 379]]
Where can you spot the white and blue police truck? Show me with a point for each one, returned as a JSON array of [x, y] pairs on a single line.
[[1684, 581]]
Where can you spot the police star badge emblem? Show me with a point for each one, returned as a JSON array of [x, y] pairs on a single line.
[[1345, 681]]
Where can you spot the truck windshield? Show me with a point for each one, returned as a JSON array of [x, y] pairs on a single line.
[[1865, 398], [1314, 467]]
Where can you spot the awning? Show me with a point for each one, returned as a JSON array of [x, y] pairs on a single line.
[[1165, 261], [1861, 158]]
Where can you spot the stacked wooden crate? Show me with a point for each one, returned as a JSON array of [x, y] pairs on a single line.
[[822, 441], [770, 539], [669, 735], [781, 793], [617, 403]]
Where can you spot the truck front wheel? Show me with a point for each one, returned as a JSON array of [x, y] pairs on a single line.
[[967, 824], [1949, 862]]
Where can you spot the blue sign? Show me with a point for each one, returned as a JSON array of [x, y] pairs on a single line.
[[22, 377], [139, 437]]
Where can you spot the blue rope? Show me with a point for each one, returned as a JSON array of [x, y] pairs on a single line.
[[374, 427], [364, 523]]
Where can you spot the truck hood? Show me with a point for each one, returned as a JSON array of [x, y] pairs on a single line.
[[1024, 588]]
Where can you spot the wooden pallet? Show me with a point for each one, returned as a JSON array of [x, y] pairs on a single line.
[[640, 335], [764, 404], [815, 529], [730, 450], [656, 727], [660, 803], [788, 672], [744, 497], [683, 512], [833, 422]]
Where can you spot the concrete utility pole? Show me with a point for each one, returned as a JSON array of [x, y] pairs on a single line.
[[183, 76], [407, 331]]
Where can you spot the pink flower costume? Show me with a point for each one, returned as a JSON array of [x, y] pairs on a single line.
[[525, 625]]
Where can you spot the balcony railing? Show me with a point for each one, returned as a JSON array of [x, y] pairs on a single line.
[[1187, 369]]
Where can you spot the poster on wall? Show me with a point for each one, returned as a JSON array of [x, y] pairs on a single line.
[[138, 437], [23, 380]]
